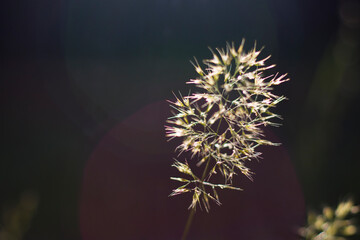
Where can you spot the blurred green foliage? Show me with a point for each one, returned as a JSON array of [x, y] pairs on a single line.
[[16, 220]]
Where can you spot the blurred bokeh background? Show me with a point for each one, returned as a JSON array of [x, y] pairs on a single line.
[[83, 85]]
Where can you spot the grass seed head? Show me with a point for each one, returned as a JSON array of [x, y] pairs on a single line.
[[220, 124]]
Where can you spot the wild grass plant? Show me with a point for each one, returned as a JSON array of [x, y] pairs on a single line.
[[221, 124], [333, 223]]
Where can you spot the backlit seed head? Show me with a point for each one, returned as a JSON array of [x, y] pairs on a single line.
[[221, 123]]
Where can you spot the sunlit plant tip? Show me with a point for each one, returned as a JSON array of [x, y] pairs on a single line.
[[221, 124]]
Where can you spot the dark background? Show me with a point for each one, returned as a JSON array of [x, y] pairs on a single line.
[[72, 71]]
